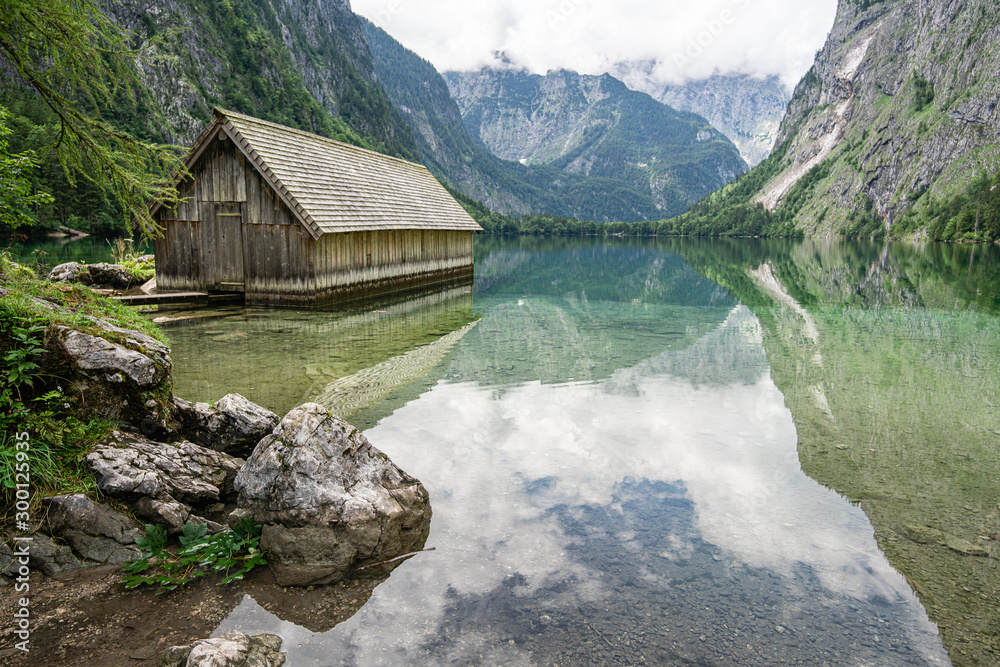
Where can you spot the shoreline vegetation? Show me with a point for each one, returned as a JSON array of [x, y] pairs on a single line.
[[972, 215], [36, 397]]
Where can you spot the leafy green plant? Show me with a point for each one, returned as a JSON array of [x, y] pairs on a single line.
[[58, 440], [19, 364], [232, 553], [123, 252]]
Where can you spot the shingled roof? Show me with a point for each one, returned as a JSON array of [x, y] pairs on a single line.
[[333, 187]]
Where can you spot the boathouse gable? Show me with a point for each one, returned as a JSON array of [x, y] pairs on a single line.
[[285, 216]]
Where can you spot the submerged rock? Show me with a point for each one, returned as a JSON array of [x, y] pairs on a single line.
[[328, 500], [234, 649], [234, 425], [966, 547], [315, 608]]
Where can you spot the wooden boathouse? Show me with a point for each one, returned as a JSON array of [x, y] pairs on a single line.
[[289, 217]]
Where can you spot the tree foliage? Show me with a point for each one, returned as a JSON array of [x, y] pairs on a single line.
[[17, 197], [81, 64], [970, 215], [699, 221], [923, 92]]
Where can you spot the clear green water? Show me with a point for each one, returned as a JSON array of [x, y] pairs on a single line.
[[88, 249], [661, 452]]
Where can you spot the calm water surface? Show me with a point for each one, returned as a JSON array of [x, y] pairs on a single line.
[[53, 251], [614, 438]]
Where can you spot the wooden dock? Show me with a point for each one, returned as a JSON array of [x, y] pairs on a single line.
[[180, 297]]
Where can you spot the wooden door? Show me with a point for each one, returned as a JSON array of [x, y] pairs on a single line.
[[222, 246]]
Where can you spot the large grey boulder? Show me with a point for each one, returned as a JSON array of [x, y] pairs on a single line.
[[109, 275], [129, 465], [81, 533], [44, 555], [123, 375], [68, 272], [101, 274], [234, 425], [51, 557], [136, 339], [230, 650], [166, 512], [116, 362], [95, 532], [328, 500]]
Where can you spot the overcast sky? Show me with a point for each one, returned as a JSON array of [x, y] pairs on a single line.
[[687, 39]]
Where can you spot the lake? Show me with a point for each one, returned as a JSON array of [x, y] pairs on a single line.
[[658, 451], [661, 451]]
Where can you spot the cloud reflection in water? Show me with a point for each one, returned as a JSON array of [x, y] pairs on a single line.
[[660, 514]]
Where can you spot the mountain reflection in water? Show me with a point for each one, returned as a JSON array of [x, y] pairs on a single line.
[[615, 480]]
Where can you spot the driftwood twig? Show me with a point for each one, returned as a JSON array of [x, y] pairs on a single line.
[[601, 636], [393, 560]]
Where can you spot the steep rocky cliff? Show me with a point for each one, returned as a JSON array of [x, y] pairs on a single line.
[[303, 63], [674, 157], [446, 148], [595, 126], [899, 111], [748, 110]]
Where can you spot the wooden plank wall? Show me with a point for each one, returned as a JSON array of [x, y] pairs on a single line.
[[221, 246], [178, 262], [370, 258], [196, 251], [278, 251], [278, 263], [222, 173]]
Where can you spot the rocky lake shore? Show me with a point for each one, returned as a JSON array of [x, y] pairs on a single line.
[[327, 502]]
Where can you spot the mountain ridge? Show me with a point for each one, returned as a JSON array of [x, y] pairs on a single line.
[[745, 108], [595, 126]]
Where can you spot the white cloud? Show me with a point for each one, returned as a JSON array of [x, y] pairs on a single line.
[[685, 40]]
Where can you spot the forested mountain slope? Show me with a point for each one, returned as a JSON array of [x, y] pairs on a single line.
[[422, 97], [303, 63]]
